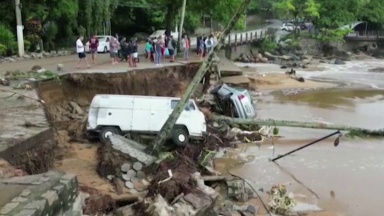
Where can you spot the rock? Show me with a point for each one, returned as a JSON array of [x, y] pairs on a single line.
[[339, 62], [287, 57], [284, 67], [377, 70], [76, 108], [270, 56], [60, 67], [264, 60], [26, 56], [252, 209], [36, 68]]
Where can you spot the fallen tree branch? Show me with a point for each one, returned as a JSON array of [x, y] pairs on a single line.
[[356, 131], [23, 95]]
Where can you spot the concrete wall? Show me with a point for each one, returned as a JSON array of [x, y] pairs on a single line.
[[53, 193]]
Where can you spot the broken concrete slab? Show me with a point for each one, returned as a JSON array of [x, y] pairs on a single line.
[[133, 149]]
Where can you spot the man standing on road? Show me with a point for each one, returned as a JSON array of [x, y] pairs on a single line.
[[114, 46], [81, 52], [171, 48], [93, 45]]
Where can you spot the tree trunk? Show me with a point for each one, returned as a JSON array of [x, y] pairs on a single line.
[[271, 122], [181, 24], [168, 126], [169, 18]]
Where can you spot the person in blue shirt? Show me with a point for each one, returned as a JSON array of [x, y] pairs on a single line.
[[202, 46]]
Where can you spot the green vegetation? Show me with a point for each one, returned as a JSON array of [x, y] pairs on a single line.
[[57, 23]]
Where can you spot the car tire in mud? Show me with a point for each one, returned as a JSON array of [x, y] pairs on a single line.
[[107, 131], [180, 136]]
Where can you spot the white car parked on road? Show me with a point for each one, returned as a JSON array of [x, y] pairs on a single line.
[[158, 33], [288, 27], [146, 115], [103, 43]]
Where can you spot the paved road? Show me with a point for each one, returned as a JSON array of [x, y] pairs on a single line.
[[69, 62]]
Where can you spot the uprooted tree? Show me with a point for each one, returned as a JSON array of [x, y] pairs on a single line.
[[169, 124], [271, 122]]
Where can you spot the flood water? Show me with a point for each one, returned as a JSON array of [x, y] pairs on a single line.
[[348, 179]]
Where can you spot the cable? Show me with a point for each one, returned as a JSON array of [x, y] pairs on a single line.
[[265, 206]]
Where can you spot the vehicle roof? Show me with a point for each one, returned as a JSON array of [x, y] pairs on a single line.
[[114, 96]]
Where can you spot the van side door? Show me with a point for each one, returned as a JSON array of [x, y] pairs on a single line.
[[159, 113], [141, 114]]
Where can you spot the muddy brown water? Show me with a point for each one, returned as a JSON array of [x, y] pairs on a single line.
[[346, 180]]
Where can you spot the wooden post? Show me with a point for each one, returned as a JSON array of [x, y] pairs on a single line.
[[261, 35], [255, 35], [251, 36], [166, 130], [246, 37], [241, 39], [235, 39]]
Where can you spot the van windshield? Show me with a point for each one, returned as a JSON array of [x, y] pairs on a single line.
[[189, 106]]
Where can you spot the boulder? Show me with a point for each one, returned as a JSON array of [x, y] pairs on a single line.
[[377, 70]]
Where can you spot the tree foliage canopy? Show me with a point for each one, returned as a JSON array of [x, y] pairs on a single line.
[[60, 21]]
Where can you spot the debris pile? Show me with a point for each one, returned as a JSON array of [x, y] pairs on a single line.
[[280, 201], [124, 162]]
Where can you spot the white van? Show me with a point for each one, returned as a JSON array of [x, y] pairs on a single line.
[[115, 114]]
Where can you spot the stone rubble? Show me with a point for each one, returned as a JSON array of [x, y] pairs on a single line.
[[35, 56]]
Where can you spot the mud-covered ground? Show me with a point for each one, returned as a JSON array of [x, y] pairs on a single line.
[[75, 154]]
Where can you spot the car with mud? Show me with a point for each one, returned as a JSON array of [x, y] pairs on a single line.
[[143, 115], [235, 101]]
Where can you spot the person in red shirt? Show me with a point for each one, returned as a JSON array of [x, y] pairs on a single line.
[[93, 45]]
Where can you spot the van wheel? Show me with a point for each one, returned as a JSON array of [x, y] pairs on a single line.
[[180, 136], [105, 49], [106, 132]]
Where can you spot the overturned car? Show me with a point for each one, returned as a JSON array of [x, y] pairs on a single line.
[[235, 101]]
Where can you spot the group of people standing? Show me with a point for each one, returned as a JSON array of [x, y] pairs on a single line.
[[124, 49], [205, 44], [157, 49]]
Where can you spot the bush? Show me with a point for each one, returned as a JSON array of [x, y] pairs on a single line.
[[6, 37], [268, 45], [2, 49]]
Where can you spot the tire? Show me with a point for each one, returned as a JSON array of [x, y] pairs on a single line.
[[180, 136], [105, 49], [106, 131]]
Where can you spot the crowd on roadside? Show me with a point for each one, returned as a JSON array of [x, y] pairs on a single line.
[[155, 49]]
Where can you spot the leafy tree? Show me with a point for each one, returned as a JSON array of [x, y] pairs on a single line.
[[297, 8]]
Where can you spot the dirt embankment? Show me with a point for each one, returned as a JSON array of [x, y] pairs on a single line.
[[81, 88], [79, 158]]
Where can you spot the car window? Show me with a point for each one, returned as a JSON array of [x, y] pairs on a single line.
[[190, 105], [101, 39]]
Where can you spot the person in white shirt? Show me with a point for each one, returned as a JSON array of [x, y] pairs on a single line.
[[81, 51]]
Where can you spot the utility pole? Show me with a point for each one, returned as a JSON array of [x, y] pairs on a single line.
[[19, 28], [182, 23]]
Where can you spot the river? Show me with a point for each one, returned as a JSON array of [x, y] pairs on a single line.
[[344, 180]]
